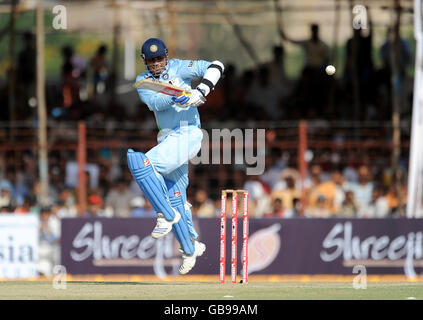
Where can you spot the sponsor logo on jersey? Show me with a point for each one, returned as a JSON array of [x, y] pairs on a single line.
[[146, 162], [190, 64], [177, 194]]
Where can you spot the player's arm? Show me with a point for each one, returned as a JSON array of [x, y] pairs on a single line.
[[210, 74], [154, 100]]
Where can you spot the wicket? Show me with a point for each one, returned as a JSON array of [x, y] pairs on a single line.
[[234, 235]]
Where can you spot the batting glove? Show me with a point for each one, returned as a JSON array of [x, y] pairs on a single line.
[[194, 99]]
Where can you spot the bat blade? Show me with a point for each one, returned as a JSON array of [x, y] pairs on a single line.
[[161, 87]]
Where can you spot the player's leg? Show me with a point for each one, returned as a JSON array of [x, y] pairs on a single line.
[[178, 201], [154, 189], [177, 182]]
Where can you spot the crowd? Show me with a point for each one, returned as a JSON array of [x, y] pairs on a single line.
[[263, 93], [354, 191], [341, 183]]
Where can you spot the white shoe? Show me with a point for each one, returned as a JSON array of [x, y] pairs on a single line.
[[189, 261], [163, 226]]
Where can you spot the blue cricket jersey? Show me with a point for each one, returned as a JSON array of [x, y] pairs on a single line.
[[179, 73]]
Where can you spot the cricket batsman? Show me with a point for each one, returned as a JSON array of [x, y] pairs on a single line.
[[162, 172]]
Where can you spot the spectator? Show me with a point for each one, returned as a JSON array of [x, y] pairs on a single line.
[[6, 199], [312, 88], [49, 243], [259, 198], [68, 204], [363, 189], [385, 53], [203, 205], [100, 70], [79, 65], [287, 191], [339, 198], [350, 207], [378, 206], [278, 210], [95, 207], [321, 209], [315, 50], [25, 80], [359, 73], [277, 67], [118, 199], [264, 95], [323, 195], [52, 193], [70, 85], [26, 207], [7, 209]]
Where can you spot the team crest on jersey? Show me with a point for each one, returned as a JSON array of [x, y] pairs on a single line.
[[177, 194], [146, 162], [153, 48], [166, 76], [190, 64]]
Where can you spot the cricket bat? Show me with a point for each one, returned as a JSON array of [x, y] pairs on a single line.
[[161, 87]]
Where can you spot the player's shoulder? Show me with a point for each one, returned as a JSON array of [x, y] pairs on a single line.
[[185, 62], [143, 76], [175, 63]]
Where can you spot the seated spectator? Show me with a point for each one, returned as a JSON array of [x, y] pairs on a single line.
[[362, 189], [350, 207], [6, 199], [378, 206], [394, 201], [278, 210], [7, 209], [49, 243], [339, 198], [287, 191], [26, 207], [95, 207], [68, 202], [321, 209], [203, 205], [52, 193], [323, 196], [118, 199], [259, 198]]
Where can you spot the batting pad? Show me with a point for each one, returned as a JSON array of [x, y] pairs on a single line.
[[156, 193], [180, 229]]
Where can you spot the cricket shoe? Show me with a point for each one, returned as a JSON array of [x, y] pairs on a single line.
[[163, 226], [189, 261]]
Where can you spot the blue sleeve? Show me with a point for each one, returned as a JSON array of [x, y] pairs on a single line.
[[192, 68], [154, 101]]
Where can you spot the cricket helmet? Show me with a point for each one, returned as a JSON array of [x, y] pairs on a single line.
[[153, 48]]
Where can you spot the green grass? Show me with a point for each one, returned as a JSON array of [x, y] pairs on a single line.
[[81, 290]]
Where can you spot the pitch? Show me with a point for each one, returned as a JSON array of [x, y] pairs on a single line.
[[95, 290]]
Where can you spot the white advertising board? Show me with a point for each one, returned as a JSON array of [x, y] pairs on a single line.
[[18, 246]]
